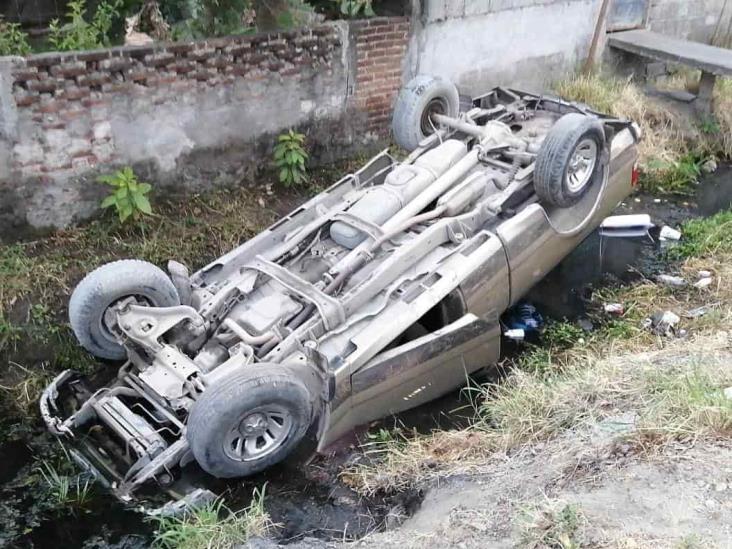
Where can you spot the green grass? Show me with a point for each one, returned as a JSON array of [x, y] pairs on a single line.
[[705, 236], [672, 177], [213, 526], [66, 490]]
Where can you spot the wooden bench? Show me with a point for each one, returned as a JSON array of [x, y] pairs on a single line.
[[711, 60]]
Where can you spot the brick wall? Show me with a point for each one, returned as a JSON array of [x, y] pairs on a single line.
[[380, 48], [192, 114], [65, 101]]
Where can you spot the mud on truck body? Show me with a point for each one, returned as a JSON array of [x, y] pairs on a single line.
[[377, 295]]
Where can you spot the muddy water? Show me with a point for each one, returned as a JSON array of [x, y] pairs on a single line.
[[305, 495]]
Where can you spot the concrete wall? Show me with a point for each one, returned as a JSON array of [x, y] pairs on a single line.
[[187, 115], [480, 44], [690, 19]]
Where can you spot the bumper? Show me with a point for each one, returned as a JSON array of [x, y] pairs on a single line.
[[109, 438]]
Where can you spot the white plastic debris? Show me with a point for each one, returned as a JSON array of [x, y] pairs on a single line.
[[614, 309], [664, 323], [704, 274], [728, 393], [710, 166], [703, 283], [515, 335], [668, 280], [626, 225], [668, 233]]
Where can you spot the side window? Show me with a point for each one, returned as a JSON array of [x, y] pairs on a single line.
[[451, 308]]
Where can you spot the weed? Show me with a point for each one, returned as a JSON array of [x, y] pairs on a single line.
[[214, 526], [289, 158], [562, 334], [13, 41], [129, 196], [65, 490], [705, 236], [27, 389], [554, 525], [77, 33], [674, 177]]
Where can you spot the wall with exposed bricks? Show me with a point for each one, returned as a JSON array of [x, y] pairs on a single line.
[[191, 114]]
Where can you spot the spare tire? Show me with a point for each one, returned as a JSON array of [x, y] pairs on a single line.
[[570, 161], [106, 285], [422, 97], [249, 420]]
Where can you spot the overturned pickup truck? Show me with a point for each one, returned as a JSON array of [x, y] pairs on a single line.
[[377, 295]]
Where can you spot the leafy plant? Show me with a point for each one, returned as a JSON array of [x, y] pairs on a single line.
[[129, 197], [672, 177], [13, 41], [290, 157], [353, 8], [79, 34], [66, 490]]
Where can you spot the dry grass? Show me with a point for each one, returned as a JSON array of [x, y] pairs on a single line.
[[664, 139]]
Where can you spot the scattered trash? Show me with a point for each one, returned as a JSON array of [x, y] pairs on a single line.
[[515, 335], [668, 233], [704, 274], [668, 280], [728, 393], [616, 309], [656, 200], [700, 311], [626, 225], [710, 166], [663, 323], [703, 283], [524, 316], [177, 508]]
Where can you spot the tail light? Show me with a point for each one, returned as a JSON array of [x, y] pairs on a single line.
[[635, 175]]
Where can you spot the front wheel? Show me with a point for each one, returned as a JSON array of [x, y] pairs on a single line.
[[569, 162], [249, 420]]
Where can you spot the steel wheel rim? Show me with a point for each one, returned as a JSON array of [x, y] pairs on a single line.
[[436, 106], [258, 433], [581, 165]]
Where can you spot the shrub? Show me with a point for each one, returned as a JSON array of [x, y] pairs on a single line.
[[128, 198], [78, 33], [13, 41], [290, 157], [353, 8]]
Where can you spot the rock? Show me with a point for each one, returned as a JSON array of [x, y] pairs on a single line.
[[674, 281], [616, 309], [703, 283], [586, 324], [668, 233], [710, 166]]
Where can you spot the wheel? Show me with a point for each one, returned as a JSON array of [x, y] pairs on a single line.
[[249, 420], [105, 286], [422, 97], [569, 161]]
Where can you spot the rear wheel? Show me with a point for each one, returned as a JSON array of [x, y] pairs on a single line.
[[417, 102], [569, 162], [249, 420]]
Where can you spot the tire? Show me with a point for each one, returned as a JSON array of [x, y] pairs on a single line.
[[217, 417], [106, 285], [417, 100], [555, 182]]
